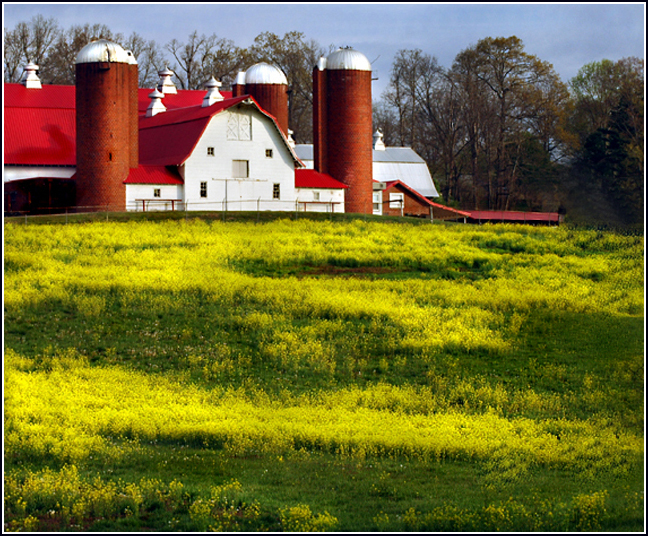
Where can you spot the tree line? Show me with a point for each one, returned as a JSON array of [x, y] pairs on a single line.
[[194, 60], [498, 129]]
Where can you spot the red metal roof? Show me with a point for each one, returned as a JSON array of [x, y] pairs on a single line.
[[49, 96], [39, 125], [183, 99], [168, 138], [511, 215], [309, 178], [154, 175]]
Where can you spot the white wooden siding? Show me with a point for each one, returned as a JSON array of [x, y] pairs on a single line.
[[225, 192], [141, 197]]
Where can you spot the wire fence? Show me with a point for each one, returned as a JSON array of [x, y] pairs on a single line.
[[160, 206]]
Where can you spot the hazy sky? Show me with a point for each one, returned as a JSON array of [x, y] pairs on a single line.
[[566, 35]]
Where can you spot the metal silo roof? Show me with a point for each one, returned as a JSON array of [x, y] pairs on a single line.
[[347, 59], [103, 50], [264, 73]]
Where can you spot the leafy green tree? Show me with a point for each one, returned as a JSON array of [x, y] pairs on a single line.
[[608, 120]]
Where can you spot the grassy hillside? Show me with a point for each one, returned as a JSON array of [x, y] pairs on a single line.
[[341, 374]]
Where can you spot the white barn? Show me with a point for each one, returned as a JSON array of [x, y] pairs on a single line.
[[229, 155]]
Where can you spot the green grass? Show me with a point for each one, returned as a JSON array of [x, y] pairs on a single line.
[[510, 359]]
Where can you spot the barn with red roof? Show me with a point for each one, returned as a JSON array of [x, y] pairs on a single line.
[[196, 150], [106, 145]]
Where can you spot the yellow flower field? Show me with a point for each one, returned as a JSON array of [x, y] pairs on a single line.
[[513, 351]]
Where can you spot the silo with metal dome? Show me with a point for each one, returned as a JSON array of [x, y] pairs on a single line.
[[342, 124], [268, 85], [106, 124]]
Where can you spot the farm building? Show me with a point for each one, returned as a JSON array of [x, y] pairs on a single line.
[[389, 164], [104, 144]]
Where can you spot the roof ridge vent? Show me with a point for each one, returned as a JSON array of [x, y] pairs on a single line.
[[29, 78], [213, 95], [166, 85], [156, 105], [379, 144]]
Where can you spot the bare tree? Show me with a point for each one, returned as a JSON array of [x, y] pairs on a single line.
[[296, 57], [202, 57], [150, 59], [523, 96], [60, 65], [28, 42]]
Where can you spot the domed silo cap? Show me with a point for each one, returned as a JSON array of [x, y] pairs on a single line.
[[264, 73], [103, 51], [347, 59]]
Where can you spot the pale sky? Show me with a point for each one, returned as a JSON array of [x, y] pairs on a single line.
[[566, 35]]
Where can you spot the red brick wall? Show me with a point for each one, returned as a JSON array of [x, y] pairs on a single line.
[[320, 162], [273, 98], [349, 136], [103, 134], [412, 205], [134, 117]]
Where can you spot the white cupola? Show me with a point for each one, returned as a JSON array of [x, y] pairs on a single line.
[[156, 105], [379, 145], [29, 78], [166, 85], [213, 95]]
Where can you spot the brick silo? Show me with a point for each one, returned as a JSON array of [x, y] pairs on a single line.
[[133, 119], [269, 87], [238, 87], [105, 147], [342, 125]]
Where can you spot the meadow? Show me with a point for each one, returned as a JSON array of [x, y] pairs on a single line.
[[333, 375]]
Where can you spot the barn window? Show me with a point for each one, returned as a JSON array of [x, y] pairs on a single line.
[[240, 169], [377, 203], [276, 192], [268, 153], [156, 192], [210, 151], [203, 189], [239, 127], [396, 200], [316, 196]]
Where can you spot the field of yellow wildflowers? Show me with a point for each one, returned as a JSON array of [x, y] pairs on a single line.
[[300, 375]]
